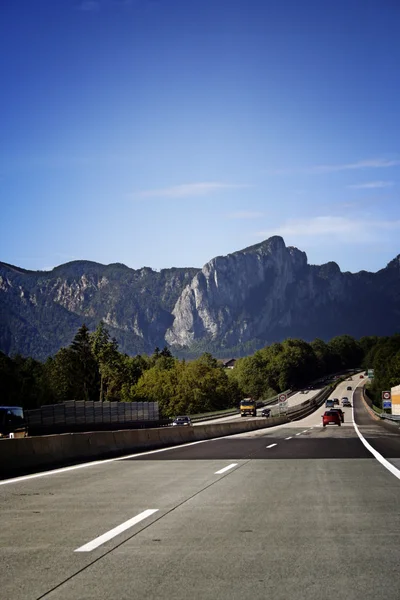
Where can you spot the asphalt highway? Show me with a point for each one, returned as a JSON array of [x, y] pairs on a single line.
[[297, 511], [293, 400]]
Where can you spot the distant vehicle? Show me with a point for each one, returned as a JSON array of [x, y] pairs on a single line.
[[248, 406], [266, 412], [182, 421], [349, 388], [331, 417], [361, 376], [329, 403], [336, 400], [340, 413], [12, 422], [346, 402]]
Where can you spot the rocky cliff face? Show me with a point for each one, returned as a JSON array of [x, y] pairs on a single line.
[[268, 292], [233, 296], [41, 311], [244, 300]]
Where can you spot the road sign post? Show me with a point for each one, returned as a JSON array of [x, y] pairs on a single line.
[[283, 405], [387, 400]]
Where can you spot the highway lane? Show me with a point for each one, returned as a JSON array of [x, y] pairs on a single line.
[[293, 400], [312, 516], [302, 396], [308, 434]]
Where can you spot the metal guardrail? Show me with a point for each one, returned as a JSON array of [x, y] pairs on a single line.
[[309, 406], [389, 417]]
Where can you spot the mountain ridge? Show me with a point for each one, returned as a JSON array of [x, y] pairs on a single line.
[[245, 299]]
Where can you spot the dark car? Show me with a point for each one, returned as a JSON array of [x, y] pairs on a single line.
[[346, 402], [340, 413], [266, 412], [349, 388], [336, 401], [182, 421], [331, 417]]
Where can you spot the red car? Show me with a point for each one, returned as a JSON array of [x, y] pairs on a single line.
[[340, 412], [361, 376], [331, 417]]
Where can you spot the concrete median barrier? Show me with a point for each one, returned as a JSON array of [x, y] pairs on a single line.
[[24, 455]]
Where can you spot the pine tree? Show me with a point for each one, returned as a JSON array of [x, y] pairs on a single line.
[[85, 366]]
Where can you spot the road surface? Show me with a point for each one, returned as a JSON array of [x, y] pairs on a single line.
[[292, 512]]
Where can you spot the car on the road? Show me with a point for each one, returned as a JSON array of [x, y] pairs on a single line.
[[182, 421], [331, 417], [266, 412], [349, 388], [329, 403], [340, 413], [346, 402], [336, 401], [361, 376]]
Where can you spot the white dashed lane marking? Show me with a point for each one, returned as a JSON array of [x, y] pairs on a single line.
[[102, 539], [225, 469]]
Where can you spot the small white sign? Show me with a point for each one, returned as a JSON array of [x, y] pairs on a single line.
[[386, 395], [282, 398]]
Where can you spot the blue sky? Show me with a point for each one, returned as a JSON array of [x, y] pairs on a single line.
[[164, 133]]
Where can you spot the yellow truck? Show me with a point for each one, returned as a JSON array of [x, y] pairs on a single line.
[[248, 407]]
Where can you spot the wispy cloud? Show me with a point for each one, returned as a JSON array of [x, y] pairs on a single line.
[[89, 5], [371, 185], [245, 214], [187, 190], [373, 163], [342, 229]]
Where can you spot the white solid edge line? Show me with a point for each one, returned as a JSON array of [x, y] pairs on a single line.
[[102, 539], [272, 445], [384, 462], [288, 438], [95, 463], [225, 469]]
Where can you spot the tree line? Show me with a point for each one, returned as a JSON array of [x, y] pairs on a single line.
[[93, 368]]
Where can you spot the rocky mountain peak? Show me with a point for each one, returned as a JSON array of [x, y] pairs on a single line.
[[214, 304]]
